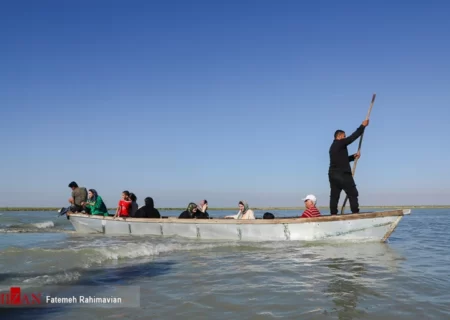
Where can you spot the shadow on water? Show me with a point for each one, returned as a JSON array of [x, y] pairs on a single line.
[[115, 276]]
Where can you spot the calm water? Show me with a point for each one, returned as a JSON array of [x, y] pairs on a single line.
[[406, 278]]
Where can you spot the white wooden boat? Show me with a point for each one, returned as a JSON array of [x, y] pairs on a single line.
[[371, 226]]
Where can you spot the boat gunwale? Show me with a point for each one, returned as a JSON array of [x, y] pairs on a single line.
[[328, 218]]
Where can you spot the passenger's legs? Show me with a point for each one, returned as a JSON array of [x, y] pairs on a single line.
[[76, 208]]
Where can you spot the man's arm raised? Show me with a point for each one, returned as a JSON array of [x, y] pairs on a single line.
[[355, 135]]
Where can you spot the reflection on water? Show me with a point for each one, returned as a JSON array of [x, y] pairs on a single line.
[[344, 287], [355, 273]]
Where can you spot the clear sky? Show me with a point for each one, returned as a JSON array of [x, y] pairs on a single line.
[[223, 100]]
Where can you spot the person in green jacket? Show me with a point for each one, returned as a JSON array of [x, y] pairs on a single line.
[[95, 204]]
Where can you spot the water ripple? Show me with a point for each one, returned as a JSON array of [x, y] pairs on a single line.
[[406, 278]]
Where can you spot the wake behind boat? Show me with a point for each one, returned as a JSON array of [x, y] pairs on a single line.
[[370, 226]]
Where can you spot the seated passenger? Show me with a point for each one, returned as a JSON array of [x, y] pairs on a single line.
[[189, 212], [79, 195], [124, 206], [148, 211], [243, 213], [311, 210], [95, 204], [201, 210], [134, 205], [268, 215]]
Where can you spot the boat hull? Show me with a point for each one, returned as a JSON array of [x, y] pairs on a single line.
[[374, 226]]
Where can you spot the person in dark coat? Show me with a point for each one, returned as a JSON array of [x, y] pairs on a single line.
[[201, 210], [340, 173], [148, 211], [192, 212]]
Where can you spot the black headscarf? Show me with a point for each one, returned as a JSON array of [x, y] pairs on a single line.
[[148, 211], [149, 202]]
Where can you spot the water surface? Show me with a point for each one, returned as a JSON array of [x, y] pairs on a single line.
[[406, 278]]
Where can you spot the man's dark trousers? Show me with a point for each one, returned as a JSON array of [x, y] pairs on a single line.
[[342, 181]]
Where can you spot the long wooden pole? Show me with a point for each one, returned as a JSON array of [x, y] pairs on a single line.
[[355, 162]]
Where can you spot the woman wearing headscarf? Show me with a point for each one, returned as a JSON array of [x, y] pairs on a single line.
[[148, 211], [95, 205], [134, 205], [244, 212], [201, 210], [191, 212]]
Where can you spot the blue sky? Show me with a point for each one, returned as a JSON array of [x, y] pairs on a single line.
[[224, 100]]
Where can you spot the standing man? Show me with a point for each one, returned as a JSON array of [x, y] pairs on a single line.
[[79, 195], [340, 173]]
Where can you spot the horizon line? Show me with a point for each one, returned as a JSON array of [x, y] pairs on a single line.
[[31, 208]]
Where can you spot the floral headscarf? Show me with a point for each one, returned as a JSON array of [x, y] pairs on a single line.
[[191, 207]]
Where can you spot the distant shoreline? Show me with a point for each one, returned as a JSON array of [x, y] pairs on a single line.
[[233, 208]]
